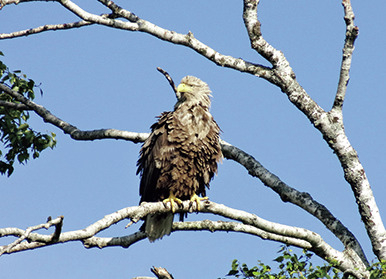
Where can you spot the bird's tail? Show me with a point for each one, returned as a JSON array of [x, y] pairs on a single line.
[[158, 225]]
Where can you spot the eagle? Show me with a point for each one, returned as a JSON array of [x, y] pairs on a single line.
[[179, 158]]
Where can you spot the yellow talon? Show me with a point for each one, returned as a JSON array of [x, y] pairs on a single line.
[[197, 200], [172, 199]]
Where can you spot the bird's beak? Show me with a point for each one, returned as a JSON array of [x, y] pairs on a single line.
[[182, 88]]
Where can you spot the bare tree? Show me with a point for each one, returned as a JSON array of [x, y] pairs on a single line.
[[329, 123]]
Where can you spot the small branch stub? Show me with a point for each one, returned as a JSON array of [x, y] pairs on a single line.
[[161, 273]]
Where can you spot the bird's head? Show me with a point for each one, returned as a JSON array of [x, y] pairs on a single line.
[[193, 91]]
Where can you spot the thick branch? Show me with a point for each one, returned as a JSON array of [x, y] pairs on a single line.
[[250, 224], [331, 126], [289, 194]]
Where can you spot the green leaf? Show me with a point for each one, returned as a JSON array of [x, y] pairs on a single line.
[[22, 157], [36, 155], [235, 264], [279, 259], [23, 126], [232, 272]]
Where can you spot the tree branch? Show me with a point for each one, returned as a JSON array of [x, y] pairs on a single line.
[[136, 24], [348, 49], [212, 226], [250, 223], [43, 28], [330, 124], [288, 194], [50, 27], [67, 128], [168, 77], [283, 75], [161, 273], [23, 235], [205, 225], [11, 105], [4, 3], [122, 241], [258, 43]]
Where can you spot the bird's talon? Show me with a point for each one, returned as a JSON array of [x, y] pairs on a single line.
[[197, 200], [172, 199]]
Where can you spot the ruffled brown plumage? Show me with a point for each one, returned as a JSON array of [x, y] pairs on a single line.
[[181, 154]]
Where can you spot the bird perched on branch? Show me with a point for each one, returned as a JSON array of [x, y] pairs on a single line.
[[180, 157]]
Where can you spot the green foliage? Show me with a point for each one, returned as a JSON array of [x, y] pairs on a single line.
[[378, 270], [20, 142], [290, 266], [300, 267]]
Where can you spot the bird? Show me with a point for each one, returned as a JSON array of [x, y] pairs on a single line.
[[180, 157]]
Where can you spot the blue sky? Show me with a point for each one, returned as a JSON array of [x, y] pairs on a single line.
[[97, 77]]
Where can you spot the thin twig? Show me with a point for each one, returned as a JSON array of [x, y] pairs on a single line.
[[168, 77], [43, 28]]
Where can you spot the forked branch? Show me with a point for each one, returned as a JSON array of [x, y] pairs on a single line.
[[330, 124], [25, 234]]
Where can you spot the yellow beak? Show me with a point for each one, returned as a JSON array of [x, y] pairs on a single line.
[[183, 88]]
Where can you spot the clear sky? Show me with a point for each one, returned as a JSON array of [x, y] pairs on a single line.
[[97, 77]]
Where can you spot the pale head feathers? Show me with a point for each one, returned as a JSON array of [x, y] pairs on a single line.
[[193, 91]]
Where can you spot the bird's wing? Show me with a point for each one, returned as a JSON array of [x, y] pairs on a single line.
[[152, 157]]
